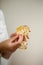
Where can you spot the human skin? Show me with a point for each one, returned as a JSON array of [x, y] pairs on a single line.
[[10, 45]]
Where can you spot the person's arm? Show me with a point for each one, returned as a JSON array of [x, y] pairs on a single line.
[[6, 54], [8, 46]]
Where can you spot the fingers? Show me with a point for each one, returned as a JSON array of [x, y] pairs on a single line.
[[20, 38], [14, 38], [17, 39], [12, 35], [27, 36], [18, 42], [24, 38]]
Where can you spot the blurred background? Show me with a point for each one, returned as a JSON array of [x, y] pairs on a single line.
[[25, 12]]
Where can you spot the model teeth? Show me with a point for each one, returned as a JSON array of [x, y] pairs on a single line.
[[24, 30]]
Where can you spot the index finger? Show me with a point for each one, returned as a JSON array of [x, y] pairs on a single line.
[[13, 34]]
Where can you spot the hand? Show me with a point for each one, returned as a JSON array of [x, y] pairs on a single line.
[[11, 44], [25, 37]]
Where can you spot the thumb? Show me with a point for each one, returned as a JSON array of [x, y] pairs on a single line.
[[20, 38]]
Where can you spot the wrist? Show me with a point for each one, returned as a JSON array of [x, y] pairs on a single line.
[[1, 47]]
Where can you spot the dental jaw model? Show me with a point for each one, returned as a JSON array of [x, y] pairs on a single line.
[[24, 30]]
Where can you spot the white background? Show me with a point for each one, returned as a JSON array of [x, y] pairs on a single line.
[[29, 12]]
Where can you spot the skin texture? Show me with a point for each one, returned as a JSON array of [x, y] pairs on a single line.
[[10, 45]]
